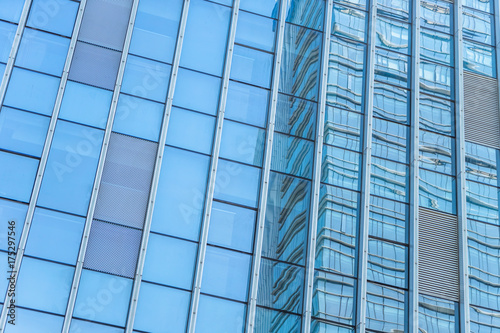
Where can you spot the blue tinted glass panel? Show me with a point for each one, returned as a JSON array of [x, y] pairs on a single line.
[[437, 191], [478, 26], [264, 7], [256, 31], [247, 104], [49, 291], [436, 79], [295, 116], [85, 104], [349, 23], [159, 308], [292, 155], [204, 44], [63, 230], [237, 183], [219, 315], [392, 68], [197, 91], [387, 263], [170, 261], [437, 315], [484, 5], [39, 96], [437, 152], [11, 211], [17, 176], [69, 176], [321, 327], [391, 102], [34, 321], [399, 9], [305, 13], [333, 298], [42, 52], [242, 143], [385, 308], [138, 117], [252, 66], [11, 10], [436, 115], [232, 227], [287, 218], [111, 293], [389, 140], [54, 16], [155, 29], [392, 35], [181, 193], [266, 321], [340, 167], [343, 128], [190, 130], [481, 163], [22, 132], [7, 33], [436, 15], [79, 326], [484, 320], [226, 273], [482, 202], [436, 46], [479, 58], [388, 219], [389, 179], [337, 230]]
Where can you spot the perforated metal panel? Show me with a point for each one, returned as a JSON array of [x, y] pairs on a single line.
[[112, 249], [126, 181], [95, 65], [482, 121], [105, 22], [438, 273]]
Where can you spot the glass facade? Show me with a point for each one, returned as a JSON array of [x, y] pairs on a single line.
[[246, 166]]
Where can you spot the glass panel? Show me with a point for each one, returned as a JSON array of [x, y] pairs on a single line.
[[197, 91], [11, 10], [22, 132], [392, 68], [389, 179], [484, 5], [246, 104], [155, 29], [385, 308], [436, 15], [280, 286], [85, 104], [337, 230], [191, 130], [436, 115], [242, 143], [340, 167], [204, 44], [399, 9], [69, 176], [348, 22], [181, 193], [307, 13], [232, 227], [345, 75], [479, 58], [436, 46], [482, 202], [49, 291], [160, 308], [226, 274], [219, 315], [34, 321], [392, 35], [478, 26], [170, 261], [295, 116], [267, 320], [146, 78], [287, 217], [389, 140], [255, 31], [54, 16], [252, 66], [387, 263], [321, 327], [39, 96], [437, 315], [237, 183], [63, 230], [103, 298], [79, 326], [11, 211], [481, 163], [264, 7], [437, 191], [388, 219], [484, 320], [292, 155], [7, 34], [343, 128], [436, 79], [334, 298], [300, 64], [437, 152], [391, 102], [138, 117], [17, 176]]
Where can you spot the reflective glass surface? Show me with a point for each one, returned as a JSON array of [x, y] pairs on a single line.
[[437, 191], [399, 9], [392, 35], [219, 315], [391, 67], [242, 143], [389, 179], [247, 104], [191, 130], [292, 155], [295, 116], [53, 16], [436, 79], [252, 66], [478, 26], [343, 128], [266, 320], [481, 163], [385, 308], [255, 31], [482, 202], [437, 315], [197, 91], [391, 102], [17, 176], [308, 14], [436, 15], [389, 140], [437, 152], [387, 263], [340, 167], [138, 117], [436, 115], [436, 46], [388, 219], [479, 58], [348, 22]]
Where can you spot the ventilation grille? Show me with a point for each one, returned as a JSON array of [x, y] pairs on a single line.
[[481, 110], [438, 273]]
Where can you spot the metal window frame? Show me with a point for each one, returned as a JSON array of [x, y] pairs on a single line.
[[316, 181], [266, 170], [202, 247], [157, 169], [100, 167]]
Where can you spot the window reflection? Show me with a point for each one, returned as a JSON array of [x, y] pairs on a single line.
[[388, 219], [391, 68], [349, 23], [340, 167], [482, 202], [437, 152], [437, 191], [436, 15], [479, 58], [436, 46], [389, 140], [388, 179], [343, 128], [390, 102], [436, 79], [481, 163], [437, 315], [436, 114], [387, 263], [385, 308], [392, 35]]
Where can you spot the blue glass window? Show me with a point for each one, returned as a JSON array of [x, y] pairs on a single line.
[[391, 67], [295, 116], [205, 40], [436, 115], [389, 179], [399, 9], [478, 26], [385, 308], [191, 130], [266, 319], [292, 155], [242, 143], [479, 58], [252, 66], [34, 321], [343, 128], [219, 315], [54, 16], [481, 163], [11, 211], [17, 176], [484, 320], [11, 10], [197, 91], [387, 263], [436, 79], [484, 5], [78, 326], [388, 219], [69, 176], [7, 33], [391, 102], [437, 315], [436, 46], [437, 152], [482, 202], [247, 104], [393, 35], [340, 167], [256, 31], [436, 15], [181, 193], [322, 327], [348, 22], [308, 14], [389, 140], [437, 191], [268, 8]]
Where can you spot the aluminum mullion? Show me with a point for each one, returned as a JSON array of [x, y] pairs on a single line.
[[195, 298], [48, 140], [460, 159], [412, 221], [366, 167], [13, 51], [157, 170], [100, 167], [266, 170], [316, 181]]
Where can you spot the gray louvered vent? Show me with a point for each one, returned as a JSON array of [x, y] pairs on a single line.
[[126, 181], [438, 254], [482, 121]]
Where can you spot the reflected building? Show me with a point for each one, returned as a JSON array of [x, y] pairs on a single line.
[[267, 166]]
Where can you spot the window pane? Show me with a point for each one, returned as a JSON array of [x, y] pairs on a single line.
[[11, 10], [349, 23], [264, 7], [308, 14], [321, 327], [436, 79], [436, 46], [388, 219], [436, 15], [247, 104], [343, 128], [7, 33], [387, 263], [385, 308], [79, 326], [437, 191], [191, 130], [482, 202], [481, 163], [340, 167], [34, 321], [393, 34], [295, 116], [255, 31], [54, 16], [17, 176], [242, 143], [390, 102], [479, 58], [219, 315], [478, 26], [267, 320], [437, 152], [11, 211], [484, 320], [391, 67], [389, 140], [399, 9], [292, 155], [389, 179], [252, 66], [437, 315], [436, 115], [197, 91]]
